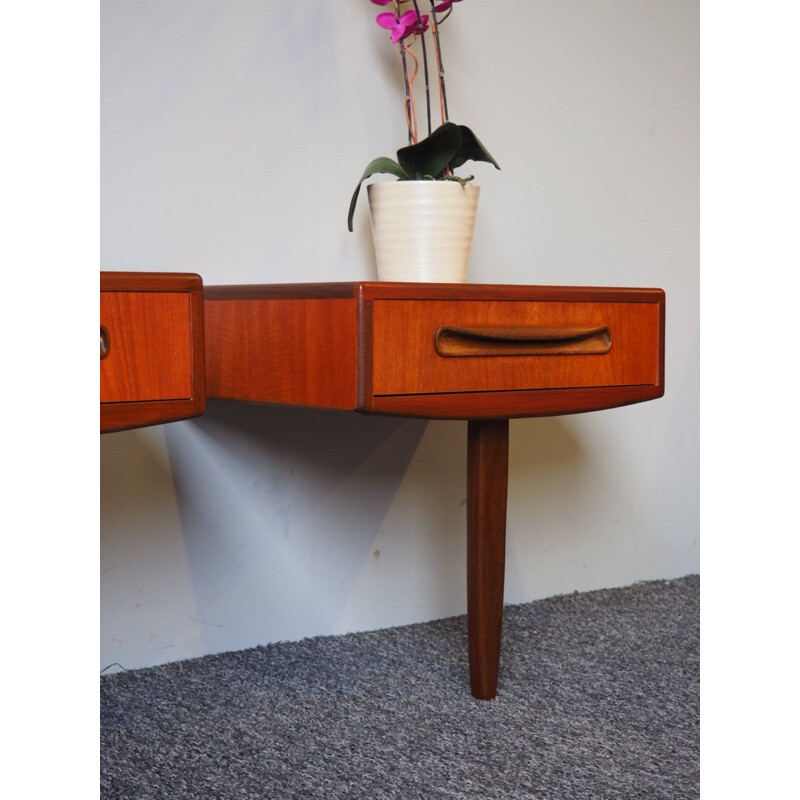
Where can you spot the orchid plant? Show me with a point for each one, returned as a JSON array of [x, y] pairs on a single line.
[[449, 146]]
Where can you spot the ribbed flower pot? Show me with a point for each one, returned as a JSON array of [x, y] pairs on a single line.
[[422, 230]]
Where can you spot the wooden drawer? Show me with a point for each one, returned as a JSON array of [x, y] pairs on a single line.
[[448, 351], [152, 362], [148, 336], [434, 346]]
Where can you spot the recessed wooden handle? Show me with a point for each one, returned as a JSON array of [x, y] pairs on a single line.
[[522, 341], [105, 343]]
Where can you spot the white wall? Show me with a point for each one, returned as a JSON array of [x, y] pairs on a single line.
[[233, 134]]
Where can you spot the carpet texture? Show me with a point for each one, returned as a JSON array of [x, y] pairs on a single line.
[[598, 699]]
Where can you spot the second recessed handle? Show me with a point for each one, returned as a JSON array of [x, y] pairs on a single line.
[[522, 340]]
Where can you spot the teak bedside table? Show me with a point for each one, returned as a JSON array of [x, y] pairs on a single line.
[[481, 353]]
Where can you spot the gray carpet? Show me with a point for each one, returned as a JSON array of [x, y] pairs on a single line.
[[598, 699]]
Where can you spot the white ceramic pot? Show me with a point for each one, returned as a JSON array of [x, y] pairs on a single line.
[[422, 230]]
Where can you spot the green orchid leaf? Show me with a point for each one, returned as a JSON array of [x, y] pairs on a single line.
[[471, 149], [378, 165], [432, 154]]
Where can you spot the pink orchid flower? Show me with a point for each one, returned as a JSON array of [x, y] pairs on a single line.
[[402, 26], [438, 9]]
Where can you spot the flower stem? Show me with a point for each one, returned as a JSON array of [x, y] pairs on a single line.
[[442, 92], [411, 80], [425, 67], [405, 80], [409, 120]]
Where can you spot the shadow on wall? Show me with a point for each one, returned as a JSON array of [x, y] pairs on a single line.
[[146, 593], [279, 510], [268, 529], [133, 465]]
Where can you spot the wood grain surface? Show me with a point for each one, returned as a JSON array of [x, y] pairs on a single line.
[[387, 290], [150, 282], [487, 490], [532, 403], [370, 290], [286, 350], [405, 360], [154, 369], [149, 346]]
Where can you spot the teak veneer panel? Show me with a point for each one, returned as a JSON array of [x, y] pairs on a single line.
[[288, 351], [405, 360], [149, 356], [388, 290], [516, 404], [154, 368]]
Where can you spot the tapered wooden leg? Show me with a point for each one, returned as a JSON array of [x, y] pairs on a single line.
[[487, 493]]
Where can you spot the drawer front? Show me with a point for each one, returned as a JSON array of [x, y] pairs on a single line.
[[149, 346], [445, 346]]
